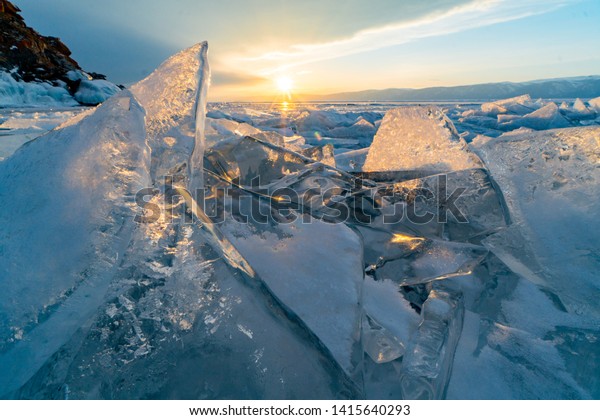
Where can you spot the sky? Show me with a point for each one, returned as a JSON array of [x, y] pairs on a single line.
[[265, 49]]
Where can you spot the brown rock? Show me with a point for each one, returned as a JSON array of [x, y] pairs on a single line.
[[35, 57]]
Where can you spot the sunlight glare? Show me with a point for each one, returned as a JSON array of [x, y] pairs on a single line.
[[284, 84]]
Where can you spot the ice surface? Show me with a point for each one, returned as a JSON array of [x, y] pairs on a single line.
[[550, 181], [595, 104], [519, 105], [408, 260], [579, 111], [418, 138], [70, 216], [351, 161], [322, 292], [360, 129], [305, 300], [323, 154], [545, 118], [378, 343], [18, 126]]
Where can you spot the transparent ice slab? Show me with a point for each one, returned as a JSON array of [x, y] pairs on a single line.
[[418, 138], [427, 366], [550, 183]]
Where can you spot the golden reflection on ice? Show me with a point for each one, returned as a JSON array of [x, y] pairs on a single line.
[[411, 242]]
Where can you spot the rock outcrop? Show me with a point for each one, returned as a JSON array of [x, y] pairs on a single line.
[[32, 56], [28, 57]]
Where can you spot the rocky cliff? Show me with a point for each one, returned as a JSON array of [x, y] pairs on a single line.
[[31, 55], [26, 58]]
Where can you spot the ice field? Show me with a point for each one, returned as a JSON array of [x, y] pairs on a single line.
[[159, 246]]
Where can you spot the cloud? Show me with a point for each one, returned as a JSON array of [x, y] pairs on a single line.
[[476, 14]]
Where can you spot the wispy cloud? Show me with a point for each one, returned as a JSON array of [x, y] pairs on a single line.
[[476, 14]]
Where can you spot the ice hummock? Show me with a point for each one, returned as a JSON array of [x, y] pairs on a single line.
[[550, 181], [544, 118], [174, 97], [175, 283], [311, 302], [418, 138], [519, 105], [66, 229]]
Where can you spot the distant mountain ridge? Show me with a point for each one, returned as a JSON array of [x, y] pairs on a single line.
[[562, 88]]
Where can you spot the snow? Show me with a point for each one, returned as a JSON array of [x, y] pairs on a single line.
[[94, 92], [15, 93], [18, 126], [21, 94], [418, 138]]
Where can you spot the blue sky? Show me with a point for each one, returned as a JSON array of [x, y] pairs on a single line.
[[326, 46]]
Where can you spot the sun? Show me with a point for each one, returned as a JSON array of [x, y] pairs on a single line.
[[284, 84]]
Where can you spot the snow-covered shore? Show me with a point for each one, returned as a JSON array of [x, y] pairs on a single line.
[[18, 94]]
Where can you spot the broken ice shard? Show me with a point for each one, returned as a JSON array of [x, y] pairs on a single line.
[[408, 260], [460, 206], [545, 118], [379, 343], [418, 138], [551, 183], [72, 213], [519, 105], [427, 365], [174, 98]]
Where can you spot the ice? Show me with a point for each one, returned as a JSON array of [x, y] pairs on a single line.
[[378, 343], [297, 250], [94, 92], [481, 121], [181, 313], [519, 105], [174, 97], [21, 94], [408, 260], [323, 154], [595, 104], [428, 362], [418, 138], [72, 217], [18, 126], [462, 206], [360, 129], [579, 111], [321, 121], [351, 161], [545, 118], [260, 268], [550, 181]]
